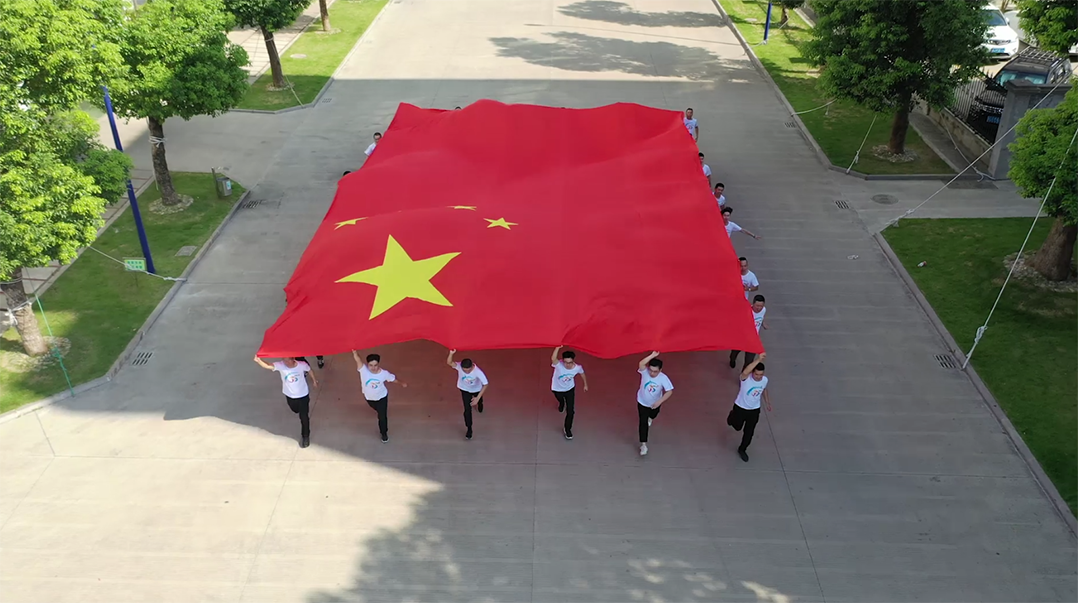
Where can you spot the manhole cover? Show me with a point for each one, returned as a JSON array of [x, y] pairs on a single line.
[[972, 184], [186, 250], [297, 56], [885, 199]]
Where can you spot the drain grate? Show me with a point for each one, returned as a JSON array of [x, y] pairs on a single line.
[[251, 203], [841, 204], [186, 250], [327, 100], [141, 358], [947, 361], [790, 124]]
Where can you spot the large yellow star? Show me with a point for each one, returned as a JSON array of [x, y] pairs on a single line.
[[351, 222], [500, 222], [400, 277], [471, 207]]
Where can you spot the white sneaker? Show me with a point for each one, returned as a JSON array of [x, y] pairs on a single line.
[[649, 422], [643, 449]]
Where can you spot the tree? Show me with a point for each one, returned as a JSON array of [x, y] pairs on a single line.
[[1053, 24], [178, 63], [1044, 152], [788, 5], [270, 16], [323, 8], [55, 178], [883, 53]]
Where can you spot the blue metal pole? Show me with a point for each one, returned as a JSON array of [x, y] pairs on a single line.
[[130, 189], [767, 23]]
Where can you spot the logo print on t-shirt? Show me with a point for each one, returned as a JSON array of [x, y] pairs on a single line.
[[373, 383], [291, 377], [754, 391], [566, 379], [651, 387], [469, 379]]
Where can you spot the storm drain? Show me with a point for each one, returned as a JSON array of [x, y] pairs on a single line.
[[947, 361], [841, 204], [141, 358], [251, 203], [790, 124]]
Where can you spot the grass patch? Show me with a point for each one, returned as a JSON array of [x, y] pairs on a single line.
[[324, 52], [1029, 354], [99, 306], [840, 128]]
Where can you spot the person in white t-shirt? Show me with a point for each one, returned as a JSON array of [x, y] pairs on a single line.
[[758, 312], [294, 375], [374, 145], [731, 226], [374, 380], [690, 124], [719, 197], [748, 279], [563, 385], [655, 388], [472, 383], [707, 169], [746, 411]]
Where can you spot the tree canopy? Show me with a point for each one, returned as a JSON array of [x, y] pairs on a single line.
[[270, 15], [1053, 24]]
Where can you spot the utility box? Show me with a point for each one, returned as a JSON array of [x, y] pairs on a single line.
[[224, 184]]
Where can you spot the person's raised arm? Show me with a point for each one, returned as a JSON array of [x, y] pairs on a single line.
[[647, 359], [263, 364], [359, 361], [554, 356], [449, 359], [752, 365]]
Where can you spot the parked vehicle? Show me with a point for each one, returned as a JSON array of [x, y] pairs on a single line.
[[1000, 39], [1033, 65], [1014, 21]]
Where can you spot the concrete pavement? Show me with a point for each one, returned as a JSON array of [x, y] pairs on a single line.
[[880, 476]]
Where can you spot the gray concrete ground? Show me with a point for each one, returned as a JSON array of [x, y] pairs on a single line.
[[880, 476]]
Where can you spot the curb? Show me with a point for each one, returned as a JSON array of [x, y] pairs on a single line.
[[137, 339], [801, 128], [1039, 476], [332, 77]]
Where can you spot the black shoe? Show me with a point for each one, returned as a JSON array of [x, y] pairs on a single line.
[[305, 442], [568, 434], [733, 362], [479, 406], [468, 435], [385, 438], [321, 363], [741, 453], [561, 408]]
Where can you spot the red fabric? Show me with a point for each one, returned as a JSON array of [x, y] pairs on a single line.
[[618, 246]]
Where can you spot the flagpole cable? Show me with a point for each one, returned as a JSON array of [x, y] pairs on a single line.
[[53, 347], [857, 155], [164, 278], [981, 329]]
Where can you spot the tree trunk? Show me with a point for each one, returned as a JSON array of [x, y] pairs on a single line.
[[274, 59], [160, 164], [322, 8], [784, 17], [32, 341], [1053, 259], [901, 124]]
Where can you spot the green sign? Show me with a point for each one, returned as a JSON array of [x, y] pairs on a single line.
[[135, 264]]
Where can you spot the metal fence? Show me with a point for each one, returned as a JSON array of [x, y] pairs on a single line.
[[979, 103]]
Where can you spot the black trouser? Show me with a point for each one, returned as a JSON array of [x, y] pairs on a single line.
[[645, 412], [568, 400], [749, 357], [304, 359], [382, 408], [302, 407], [742, 418], [467, 398]]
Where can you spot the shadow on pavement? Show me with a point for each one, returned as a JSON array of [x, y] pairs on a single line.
[[621, 13]]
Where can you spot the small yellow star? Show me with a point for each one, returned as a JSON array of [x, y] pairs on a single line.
[[351, 222], [470, 207], [400, 277], [500, 222]]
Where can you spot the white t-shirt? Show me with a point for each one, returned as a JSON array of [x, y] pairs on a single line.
[[707, 170], [690, 125], [652, 388], [374, 384], [749, 280], [370, 149], [732, 227], [758, 318], [749, 395], [470, 382], [564, 379], [722, 200], [293, 380]]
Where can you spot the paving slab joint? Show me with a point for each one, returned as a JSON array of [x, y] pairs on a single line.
[[1039, 476]]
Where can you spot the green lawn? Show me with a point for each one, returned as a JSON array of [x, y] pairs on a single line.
[[99, 306], [1028, 356], [324, 52], [840, 128]]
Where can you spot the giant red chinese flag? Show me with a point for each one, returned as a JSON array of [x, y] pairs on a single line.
[[518, 226]]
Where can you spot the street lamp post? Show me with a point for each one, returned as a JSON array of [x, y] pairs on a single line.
[[130, 189], [767, 23]]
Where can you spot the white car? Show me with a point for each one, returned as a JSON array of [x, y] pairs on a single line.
[[1000, 39]]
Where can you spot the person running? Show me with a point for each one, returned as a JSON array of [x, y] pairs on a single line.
[[758, 313], [563, 385], [707, 169], [721, 198], [294, 375], [745, 414], [690, 124], [655, 388], [472, 383], [374, 145], [748, 279], [731, 226], [374, 379]]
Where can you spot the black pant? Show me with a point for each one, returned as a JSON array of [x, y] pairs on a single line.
[[568, 400], [302, 407], [749, 357], [645, 413], [304, 359], [467, 398], [382, 408], [743, 418]]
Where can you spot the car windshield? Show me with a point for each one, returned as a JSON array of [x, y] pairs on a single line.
[[993, 17], [1033, 78]]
